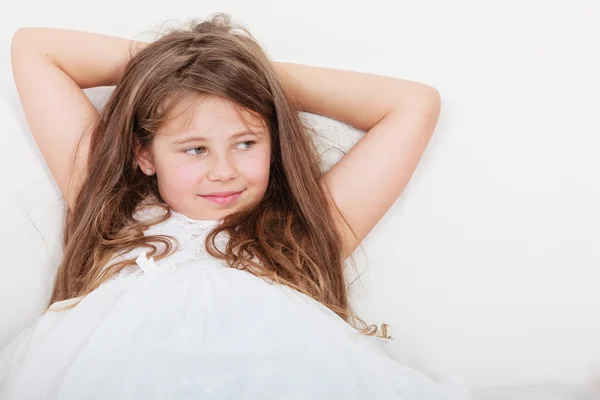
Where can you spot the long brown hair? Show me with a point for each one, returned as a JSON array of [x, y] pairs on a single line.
[[291, 231]]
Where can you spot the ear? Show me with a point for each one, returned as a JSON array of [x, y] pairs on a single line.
[[144, 158]]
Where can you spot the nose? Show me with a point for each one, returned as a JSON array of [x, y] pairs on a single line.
[[221, 169]]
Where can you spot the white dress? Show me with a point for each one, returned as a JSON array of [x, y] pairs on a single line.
[[189, 327]]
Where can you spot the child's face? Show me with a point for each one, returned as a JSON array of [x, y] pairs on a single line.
[[221, 162]]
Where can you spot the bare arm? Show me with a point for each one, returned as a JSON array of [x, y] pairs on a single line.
[[51, 67], [399, 117]]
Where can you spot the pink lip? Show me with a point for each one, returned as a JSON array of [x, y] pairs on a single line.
[[222, 198], [222, 194]]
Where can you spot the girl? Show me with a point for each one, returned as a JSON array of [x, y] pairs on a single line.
[[203, 246]]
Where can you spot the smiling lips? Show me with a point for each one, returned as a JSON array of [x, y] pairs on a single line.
[[222, 198]]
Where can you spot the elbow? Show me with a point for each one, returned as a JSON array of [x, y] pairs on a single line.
[[431, 97], [20, 42], [426, 100], [433, 108], [419, 101], [19, 37], [25, 40], [426, 108], [430, 102], [417, 97]]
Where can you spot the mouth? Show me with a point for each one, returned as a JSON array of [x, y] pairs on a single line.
[[224, 199]]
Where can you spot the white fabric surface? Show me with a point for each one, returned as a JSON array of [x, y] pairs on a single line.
[[190, 327]]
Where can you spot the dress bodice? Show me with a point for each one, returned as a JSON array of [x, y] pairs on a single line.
[[187, 236]]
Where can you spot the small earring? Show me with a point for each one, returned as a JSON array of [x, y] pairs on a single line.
[[149, 171]]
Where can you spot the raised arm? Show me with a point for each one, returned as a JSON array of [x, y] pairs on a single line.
[[51, 67], [399, 117]]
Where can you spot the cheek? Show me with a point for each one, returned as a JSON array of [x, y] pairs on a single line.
[[256, 169], [180, 177]]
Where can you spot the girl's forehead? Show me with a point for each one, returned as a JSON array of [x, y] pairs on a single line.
[[209, 117]]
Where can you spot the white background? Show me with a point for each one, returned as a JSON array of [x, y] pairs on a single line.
[[488, 265]]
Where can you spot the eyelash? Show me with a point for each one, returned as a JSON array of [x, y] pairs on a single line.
[[246, 141]]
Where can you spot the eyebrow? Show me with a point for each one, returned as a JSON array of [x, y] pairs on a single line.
[[187, 139]]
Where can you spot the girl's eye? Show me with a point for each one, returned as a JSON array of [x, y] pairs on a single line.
[[250, 143], [197, 151], [194, 152]]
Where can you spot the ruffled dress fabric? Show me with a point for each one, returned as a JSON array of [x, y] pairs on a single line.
[[190, 327]]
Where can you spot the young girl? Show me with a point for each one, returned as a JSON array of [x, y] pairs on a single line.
[[203, 246]]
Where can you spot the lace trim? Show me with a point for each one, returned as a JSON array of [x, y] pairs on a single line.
[[189, 236]]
